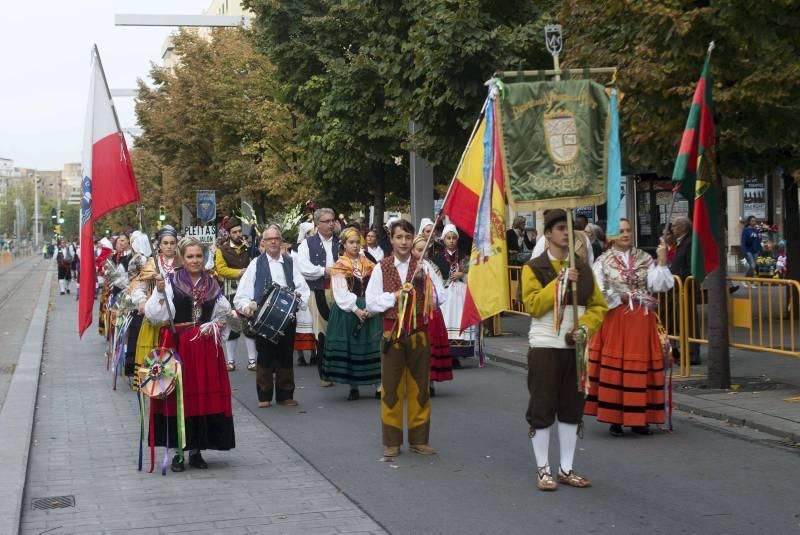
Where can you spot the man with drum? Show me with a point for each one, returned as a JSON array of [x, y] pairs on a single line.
[[317, 255], [231, 260], [274, 372]]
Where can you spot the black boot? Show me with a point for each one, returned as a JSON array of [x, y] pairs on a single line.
[[301, 360], [433, 392], [177, 464], [642, 430], [616, 430], [196, 461], [354, 395]]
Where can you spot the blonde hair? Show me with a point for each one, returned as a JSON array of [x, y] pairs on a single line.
[[190, 241], [349, 232]]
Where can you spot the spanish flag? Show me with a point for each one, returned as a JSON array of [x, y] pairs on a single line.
[[481, 172], [461, 203]]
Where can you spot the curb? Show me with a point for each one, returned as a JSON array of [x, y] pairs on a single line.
[[680, 403], [16, 417]]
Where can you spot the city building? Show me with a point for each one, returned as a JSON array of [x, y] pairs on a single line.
[[71, 180], [226, 8]]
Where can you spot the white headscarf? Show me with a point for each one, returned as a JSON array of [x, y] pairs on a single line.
[[424, 223], [303, 229], [140, 243], [448, 229]]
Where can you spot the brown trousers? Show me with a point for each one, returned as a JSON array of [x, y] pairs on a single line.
[[274, 367], [406, 376], [553, 388]]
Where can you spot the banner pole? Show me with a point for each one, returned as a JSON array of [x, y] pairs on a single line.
[[573, 285]]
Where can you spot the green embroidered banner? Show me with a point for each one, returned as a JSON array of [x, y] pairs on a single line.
[[554, 141]]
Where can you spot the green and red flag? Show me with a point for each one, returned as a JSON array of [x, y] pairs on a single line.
[[696, 178]]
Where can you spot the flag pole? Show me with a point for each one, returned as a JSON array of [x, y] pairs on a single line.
[[464, 154], [108, 91]]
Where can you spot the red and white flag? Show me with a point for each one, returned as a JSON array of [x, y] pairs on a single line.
[[108, 179]]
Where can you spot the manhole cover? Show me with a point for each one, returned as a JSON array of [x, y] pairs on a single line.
[[53, 502]]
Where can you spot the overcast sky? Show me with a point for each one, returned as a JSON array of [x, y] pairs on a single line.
[[44, 70]]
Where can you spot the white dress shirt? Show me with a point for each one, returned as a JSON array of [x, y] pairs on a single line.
[[245, 292], [311, 271], [379, 301], [376, 252]]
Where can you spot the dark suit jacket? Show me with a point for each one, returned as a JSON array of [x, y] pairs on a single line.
[[682, 261]]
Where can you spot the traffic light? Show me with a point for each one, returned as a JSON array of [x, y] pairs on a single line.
[[53, 216], [162, 213], [61, 217]]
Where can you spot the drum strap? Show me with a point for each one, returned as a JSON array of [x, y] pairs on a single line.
[[264, 277]]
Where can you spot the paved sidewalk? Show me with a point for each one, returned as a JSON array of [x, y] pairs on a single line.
[[85, 445], [765, 393]]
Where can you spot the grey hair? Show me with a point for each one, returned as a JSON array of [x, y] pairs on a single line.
[[319, 212], [272, 226], [684, 223], [190, 241]]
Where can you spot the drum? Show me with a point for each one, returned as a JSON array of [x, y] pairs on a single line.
[[158, 376], [276, 314]]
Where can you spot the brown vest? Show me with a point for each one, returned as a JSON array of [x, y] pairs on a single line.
[[392, 283], [544, 271], [236, 258]]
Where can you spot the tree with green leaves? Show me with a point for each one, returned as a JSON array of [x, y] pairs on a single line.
[[215, 122], [659, 49]]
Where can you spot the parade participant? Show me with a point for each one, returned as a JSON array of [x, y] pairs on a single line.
[[352, 346], [195, 298], [441, 362], [231, 260], [583, 248], [163, 263], [64, 257], [454, 267], [316, 258], [399, 291], [274, 371], [518, 241], [141, 253], [304, 339], [373, 250], [626, 356], [552, 368]]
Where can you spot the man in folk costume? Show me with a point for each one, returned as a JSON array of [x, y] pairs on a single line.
[[230, 261], [554, 382], [64, 257], [316, 256], [406, 297], [274, 370]]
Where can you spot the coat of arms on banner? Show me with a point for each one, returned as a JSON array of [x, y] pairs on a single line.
[[206, 205], [561, 134]]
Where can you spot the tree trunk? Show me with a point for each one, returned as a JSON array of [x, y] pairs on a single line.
[[378, 197], [716, 310], [791, 226], [260, 211]]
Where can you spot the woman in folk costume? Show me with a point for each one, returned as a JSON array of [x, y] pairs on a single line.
[[372, 249], [405, 296], [164, 263], [353, 343], [441, 363], [141, 253], [626, 356], [454, 267], [192, 298], [304, 339]]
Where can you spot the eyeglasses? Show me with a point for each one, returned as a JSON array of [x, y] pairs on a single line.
[[326, 221]]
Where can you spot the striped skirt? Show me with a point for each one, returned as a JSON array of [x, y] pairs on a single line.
[[626, 370]]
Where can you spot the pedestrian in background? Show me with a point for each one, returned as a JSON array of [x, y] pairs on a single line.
[[750, 244]]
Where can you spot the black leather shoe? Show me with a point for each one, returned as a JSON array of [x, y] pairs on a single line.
[[616, 430], [354, 395], [433, 392], [642, 430], [177, 464], [196, 461]]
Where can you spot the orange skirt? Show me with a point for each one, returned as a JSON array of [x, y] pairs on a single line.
[[626, 369], [305, 342]]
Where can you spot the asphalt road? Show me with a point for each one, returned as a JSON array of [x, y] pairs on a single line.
[[699, 479]]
